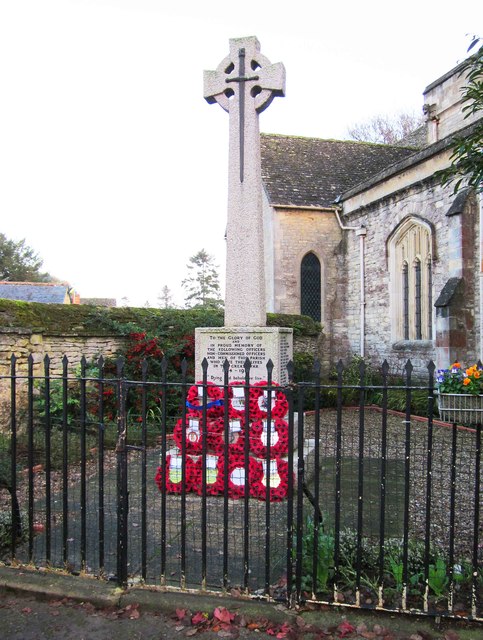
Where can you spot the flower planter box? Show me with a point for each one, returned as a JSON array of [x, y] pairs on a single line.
[[462, 408]]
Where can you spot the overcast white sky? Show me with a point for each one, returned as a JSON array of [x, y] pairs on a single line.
[[112, 165]]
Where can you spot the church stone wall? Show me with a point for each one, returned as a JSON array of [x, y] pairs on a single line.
[[455, 252], [296, 232]]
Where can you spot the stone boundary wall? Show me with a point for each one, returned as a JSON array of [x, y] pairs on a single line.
[[49, 336]]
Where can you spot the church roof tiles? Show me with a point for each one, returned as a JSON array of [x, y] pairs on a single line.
[[309, 172]]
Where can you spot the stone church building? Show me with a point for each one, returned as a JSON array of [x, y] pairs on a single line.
[[364, 238]]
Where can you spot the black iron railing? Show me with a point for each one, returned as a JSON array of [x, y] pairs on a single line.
[[336, 500]]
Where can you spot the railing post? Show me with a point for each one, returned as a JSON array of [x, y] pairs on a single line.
[[16, 520], [122, 485]]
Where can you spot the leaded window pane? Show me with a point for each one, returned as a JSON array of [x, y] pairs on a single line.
[[310, 287]]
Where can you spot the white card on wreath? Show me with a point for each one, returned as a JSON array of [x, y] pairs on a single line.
[[274, 437], [274, 476], [238, 400]]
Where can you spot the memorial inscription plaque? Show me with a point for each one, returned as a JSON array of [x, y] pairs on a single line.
[[259, 345]]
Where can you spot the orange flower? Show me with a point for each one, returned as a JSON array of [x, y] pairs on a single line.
[[466, 381], [476, 375], [456, 365]]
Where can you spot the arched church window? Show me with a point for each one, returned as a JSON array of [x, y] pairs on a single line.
[[405, 293], [310, 287], [411, 281]]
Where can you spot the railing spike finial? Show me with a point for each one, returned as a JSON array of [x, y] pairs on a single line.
[[226, 366], [119, 366], [204, 366], [184, 366], [340, 367], [290, 370], [408, 368]]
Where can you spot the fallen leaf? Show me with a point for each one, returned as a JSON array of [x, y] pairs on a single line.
[[451, 635], [191, 632], [379, 631], [180, 613], [199, 617], [345, 629], [26, 610], [223, 615]]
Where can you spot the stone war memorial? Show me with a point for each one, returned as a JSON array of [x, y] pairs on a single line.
[[244, 84]]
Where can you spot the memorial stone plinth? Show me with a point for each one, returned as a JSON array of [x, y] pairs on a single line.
[[258, 344], [244, 84]]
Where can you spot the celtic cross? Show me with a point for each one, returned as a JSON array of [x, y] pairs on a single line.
[[244, 84]]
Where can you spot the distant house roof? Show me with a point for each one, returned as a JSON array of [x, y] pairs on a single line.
[[46, 292], [100, 302], [309, 172]]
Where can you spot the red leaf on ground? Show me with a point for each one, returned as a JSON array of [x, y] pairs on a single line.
[[26, 610], [180, 613], [199, 618], [223, 615], [345, 629]]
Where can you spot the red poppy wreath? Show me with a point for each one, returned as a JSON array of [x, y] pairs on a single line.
[[194, 433], [214, 476], [259, 401], [259, 431], [173, 474], [278, 470], [237, 474], [214, 399]]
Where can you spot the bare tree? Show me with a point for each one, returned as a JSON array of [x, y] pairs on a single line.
[[386, 129]]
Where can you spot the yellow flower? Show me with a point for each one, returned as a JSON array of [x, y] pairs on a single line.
[[466, 381]]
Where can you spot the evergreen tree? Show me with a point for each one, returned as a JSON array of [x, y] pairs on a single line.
[[202, 283], [165, 299], [20, 263]]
